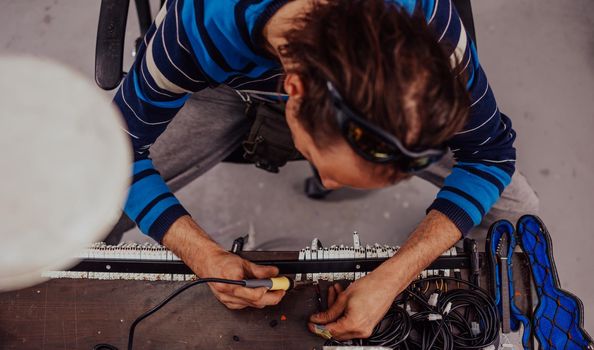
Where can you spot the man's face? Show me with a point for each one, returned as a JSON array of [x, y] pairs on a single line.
[[338, 165]]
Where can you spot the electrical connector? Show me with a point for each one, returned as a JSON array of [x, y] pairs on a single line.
[[409, 310], [433, 299], [447, 308], [434, 317]]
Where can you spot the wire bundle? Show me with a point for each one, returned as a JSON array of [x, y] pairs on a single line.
[[455, 319], [393, 330]]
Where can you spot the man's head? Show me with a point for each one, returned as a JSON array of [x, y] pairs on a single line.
[[387, 66]]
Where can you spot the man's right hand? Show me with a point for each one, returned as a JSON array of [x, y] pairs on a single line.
[[207, 259], [223, 264]]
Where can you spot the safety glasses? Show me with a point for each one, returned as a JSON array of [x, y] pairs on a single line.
[[375, 144]]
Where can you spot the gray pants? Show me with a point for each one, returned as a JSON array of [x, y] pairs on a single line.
[[212, 125]]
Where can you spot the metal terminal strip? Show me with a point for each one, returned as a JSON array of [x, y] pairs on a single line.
[[133, 261], [285, 266]]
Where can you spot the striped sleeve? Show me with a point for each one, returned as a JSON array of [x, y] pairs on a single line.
[[484, 152], [161, 79]]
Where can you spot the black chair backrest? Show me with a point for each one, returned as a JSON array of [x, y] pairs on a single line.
[[109, 47], [111, 32]]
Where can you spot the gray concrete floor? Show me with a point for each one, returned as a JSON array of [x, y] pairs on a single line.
[[539, 56]]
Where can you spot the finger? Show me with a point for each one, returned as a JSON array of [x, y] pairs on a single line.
[[225, 288], [271, 298], [319, 330], [333, 292], [222, 287], [249, 294], [267, 298], [232, 306], [236, 304], [331, 296], [343, 329], [346, 336], [338, 288], [229, 299], [326, 333], [259, 271], [332, 313]]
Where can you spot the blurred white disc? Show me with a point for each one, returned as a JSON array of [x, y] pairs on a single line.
[[65, 163]]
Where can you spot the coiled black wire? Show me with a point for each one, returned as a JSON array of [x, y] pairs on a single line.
[[393, 330], [400, 329]]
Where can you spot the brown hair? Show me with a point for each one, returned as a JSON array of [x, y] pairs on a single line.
[[386, 64]]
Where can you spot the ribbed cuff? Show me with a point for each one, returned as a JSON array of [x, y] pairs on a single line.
[[165, 220], [257, 35], [458, 216]]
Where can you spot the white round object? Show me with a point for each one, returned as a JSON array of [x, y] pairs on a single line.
[[66, 167]]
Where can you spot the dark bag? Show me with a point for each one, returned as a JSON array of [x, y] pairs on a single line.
[[269, 144]]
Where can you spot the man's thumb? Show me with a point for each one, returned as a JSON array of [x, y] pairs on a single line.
[[259, 271], [330, 315]]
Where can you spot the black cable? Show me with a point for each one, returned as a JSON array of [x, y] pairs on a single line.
[[458, 309], [398, 329], [392, 330], [170, 297], [165, 302]]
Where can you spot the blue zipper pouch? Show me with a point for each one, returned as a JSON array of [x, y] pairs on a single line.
[[517, 317]]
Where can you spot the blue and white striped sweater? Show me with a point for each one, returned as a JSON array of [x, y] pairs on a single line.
[[196, 44]]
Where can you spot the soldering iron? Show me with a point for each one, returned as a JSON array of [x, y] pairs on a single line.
[[275, 283]]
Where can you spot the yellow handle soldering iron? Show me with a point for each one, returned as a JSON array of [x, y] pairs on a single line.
[[275, 283]]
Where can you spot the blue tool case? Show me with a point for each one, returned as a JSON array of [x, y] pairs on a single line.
[[557, 321]]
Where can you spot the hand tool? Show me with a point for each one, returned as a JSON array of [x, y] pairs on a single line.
[[502, 250], [471, 248], [516, 317]]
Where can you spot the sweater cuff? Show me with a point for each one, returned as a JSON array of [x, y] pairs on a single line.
[[165, 220], [456, 214]]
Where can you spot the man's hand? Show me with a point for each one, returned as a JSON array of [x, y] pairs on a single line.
[[355, 311], [207, 259], [223, 264]]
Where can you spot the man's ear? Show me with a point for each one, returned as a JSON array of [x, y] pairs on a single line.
[[293, 85]]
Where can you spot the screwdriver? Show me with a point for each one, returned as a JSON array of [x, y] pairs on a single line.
[[276, 283]]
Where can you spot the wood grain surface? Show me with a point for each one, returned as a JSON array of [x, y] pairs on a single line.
[[78, 314]]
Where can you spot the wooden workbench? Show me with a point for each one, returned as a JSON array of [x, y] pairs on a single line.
[[77, 314], [80, 313]]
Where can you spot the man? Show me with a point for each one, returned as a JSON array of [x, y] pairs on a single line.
[[375, 92]]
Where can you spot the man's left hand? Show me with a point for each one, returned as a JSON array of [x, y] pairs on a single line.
[[354, 312]]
